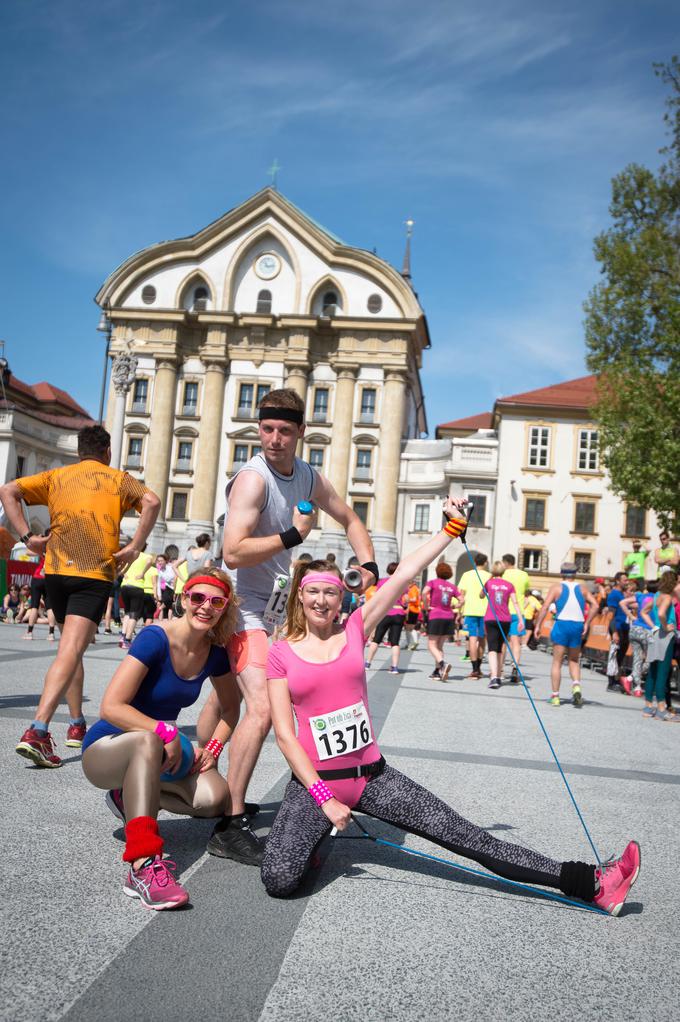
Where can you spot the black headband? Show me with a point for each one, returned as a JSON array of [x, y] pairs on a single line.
[[287, 414]]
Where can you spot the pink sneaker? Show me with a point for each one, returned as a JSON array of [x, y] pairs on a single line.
[[155, 885], [616, 878], [626, 684]]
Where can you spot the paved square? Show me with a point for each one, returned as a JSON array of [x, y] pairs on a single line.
[[375, 934]]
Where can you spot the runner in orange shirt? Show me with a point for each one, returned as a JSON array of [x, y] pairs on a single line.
[[86, 502], [412, 615]]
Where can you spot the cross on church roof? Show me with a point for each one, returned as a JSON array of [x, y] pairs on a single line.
[[273, 172]]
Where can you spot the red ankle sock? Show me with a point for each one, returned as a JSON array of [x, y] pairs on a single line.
[[142, 839]]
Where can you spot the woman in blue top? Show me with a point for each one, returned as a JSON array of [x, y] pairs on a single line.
[[137, 740]]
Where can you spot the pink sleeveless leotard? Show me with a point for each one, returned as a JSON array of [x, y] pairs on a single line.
[[321, 689]]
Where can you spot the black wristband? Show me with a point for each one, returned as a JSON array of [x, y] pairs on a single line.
[[372, 567], [290, 538]]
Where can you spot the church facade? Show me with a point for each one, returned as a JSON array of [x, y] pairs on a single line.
[[263, 298]]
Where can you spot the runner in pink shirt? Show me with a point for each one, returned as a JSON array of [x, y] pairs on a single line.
[[317, 677], [441, 598], [501, 594]]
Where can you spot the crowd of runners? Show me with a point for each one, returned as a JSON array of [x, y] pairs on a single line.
[[196, 617]]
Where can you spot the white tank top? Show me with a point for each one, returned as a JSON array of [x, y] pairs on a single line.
[[254, 584]]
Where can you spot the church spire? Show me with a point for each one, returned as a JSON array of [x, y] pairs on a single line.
[[406, 268]]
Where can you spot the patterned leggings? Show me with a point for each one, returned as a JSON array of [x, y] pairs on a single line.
[[300, 825]]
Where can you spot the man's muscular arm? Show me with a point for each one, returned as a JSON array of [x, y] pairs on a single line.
[[328, 500], [240, 548]]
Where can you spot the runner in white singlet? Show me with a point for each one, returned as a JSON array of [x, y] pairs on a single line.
[[262, 526]]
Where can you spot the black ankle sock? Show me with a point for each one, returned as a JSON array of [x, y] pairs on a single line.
[[577, 880], [30, 630]]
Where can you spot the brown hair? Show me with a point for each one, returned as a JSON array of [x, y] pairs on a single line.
[[283, 398], [296, 625], [444, 570], [225, 626], [93, 441], [667, 582]]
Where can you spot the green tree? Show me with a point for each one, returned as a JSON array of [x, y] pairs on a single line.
[[633, 326]]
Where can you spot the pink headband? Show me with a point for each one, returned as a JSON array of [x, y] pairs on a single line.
[[321, 577]]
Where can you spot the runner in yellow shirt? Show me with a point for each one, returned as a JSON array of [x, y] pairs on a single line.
[[521, 581], [473, 610]]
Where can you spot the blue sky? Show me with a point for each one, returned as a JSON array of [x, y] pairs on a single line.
[[496, 125]]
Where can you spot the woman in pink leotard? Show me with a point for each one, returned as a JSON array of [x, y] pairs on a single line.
[[317, 676]]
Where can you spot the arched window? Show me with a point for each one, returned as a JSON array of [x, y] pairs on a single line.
[[264, 301], [330, 303], [200, 299]]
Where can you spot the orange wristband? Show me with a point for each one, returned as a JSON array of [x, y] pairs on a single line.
[[455, 527]]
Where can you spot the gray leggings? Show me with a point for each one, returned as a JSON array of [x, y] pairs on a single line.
[[639, 638], [300, 825], [132, 761]]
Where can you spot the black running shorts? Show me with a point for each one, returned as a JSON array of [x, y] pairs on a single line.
[[81, 597], [390, 626], [494, 635], [440, 626], [38, 591]]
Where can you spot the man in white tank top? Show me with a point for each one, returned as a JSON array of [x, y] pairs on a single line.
[[262, 527], [570, 599]]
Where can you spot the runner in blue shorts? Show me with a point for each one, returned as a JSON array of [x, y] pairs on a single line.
[[570, 598]]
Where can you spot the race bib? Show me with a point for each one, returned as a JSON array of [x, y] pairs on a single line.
[[341, 731], [275, 611], [446, 599]]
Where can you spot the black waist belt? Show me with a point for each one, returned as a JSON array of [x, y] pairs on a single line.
[[368, 770]]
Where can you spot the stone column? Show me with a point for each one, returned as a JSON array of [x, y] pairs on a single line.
[[207, 458], [123, 370], [341, 444], [341, 437], [159, 450], [391, 426], [296, 378]]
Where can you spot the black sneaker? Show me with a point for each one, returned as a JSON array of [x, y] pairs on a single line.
[[233, 838], [514, 677], [435, 676], [444, 670]]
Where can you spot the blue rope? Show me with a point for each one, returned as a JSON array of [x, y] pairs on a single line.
[[475, 872], [533, 706]]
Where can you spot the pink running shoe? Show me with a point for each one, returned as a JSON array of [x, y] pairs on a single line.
[[155, 885], [616, 878], [626, 684]]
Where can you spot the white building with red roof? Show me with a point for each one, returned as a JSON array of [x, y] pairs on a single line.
[[552, 500], [39, 425]]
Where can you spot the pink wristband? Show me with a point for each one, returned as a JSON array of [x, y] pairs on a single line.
[[166, 732], [214, 746], [320, 792]]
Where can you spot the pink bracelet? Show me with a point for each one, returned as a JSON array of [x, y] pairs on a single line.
[[166, 732], [215, 747], [320, 792]]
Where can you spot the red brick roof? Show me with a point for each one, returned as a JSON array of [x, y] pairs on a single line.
[[47, 402], [482, 421], [579, 393]]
